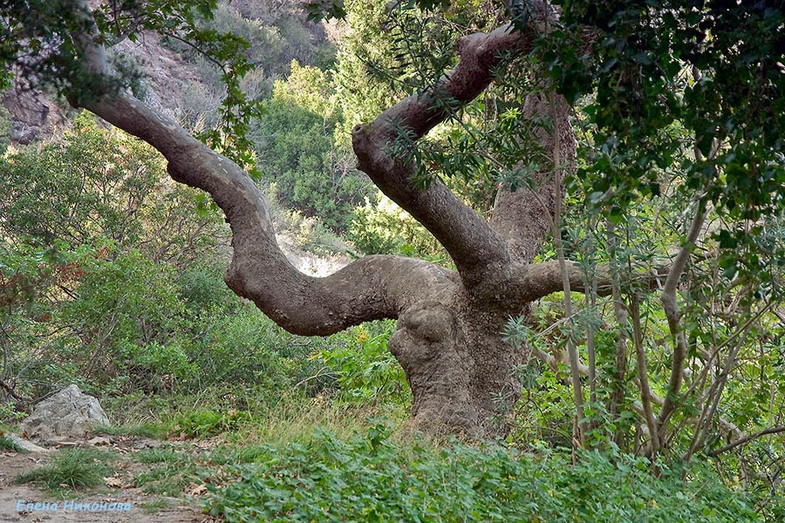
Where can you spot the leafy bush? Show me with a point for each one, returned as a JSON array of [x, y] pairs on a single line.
[[371, 478], [242, 348], [89, 182], [385, 228], [201, 423], [366, 369]]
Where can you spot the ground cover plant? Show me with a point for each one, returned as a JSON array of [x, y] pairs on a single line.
[[7, 444], [73, 469], [371, 477], [325, 466]]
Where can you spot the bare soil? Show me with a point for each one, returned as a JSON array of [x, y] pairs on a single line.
[[144, 507]]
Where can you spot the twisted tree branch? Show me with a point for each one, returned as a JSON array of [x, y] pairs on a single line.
[[370, 288], [479, 253]]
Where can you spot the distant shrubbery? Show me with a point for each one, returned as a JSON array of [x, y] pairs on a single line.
[[111, 278]]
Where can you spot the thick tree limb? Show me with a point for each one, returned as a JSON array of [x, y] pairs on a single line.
[[370, 288], [530, 282], [477, 250]]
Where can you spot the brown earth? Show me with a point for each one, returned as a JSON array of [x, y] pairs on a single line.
[[144, 507]]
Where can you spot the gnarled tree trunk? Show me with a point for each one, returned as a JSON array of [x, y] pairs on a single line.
[[448, 338]]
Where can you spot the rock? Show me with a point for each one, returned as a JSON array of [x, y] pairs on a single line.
[[69, 414], [26, 446], [99, 441], [34, 116]]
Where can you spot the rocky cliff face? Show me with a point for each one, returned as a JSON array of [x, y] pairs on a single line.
[[33, 115], [184, 87]]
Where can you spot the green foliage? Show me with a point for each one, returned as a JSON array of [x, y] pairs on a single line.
[[325, 10], [396, 49], [127, 318], [297, 150], [698, 94], [203, 423], [242, 348], [727, 323], [41, 46], [171, 470], [137, 312], [678, 107], [147, 429], [277, 35], [371, 478], [239, 51], [385, 228], [73, 185], [265, 42], [93, 267], [366, 370], [308, 234]]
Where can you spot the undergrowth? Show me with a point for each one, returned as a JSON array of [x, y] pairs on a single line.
[[311, 460], [371, 478], [75, 469]]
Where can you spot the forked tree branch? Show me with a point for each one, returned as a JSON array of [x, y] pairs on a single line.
[[371, 288]]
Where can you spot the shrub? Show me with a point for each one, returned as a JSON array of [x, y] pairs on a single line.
[[206, 422], [366, 370], [385, 228]]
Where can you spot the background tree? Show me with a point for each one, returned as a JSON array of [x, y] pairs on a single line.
[[300, 154]]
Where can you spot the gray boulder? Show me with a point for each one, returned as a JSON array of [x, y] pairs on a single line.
[[67, 414]]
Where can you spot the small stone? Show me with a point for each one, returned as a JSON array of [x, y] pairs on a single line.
[[26, 446]]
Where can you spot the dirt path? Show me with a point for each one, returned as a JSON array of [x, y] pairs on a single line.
[[122, 504]]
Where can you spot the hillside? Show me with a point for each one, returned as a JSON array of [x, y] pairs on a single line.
[[177, 80]]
